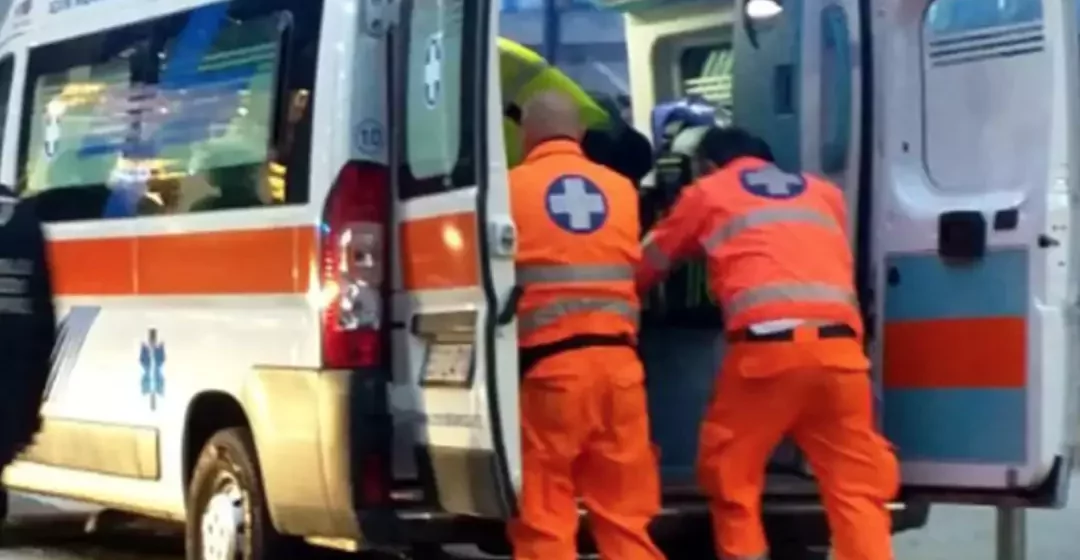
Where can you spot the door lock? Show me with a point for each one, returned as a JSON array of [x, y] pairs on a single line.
[[502, 238]]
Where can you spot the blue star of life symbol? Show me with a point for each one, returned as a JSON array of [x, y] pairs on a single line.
[[576, 204], [771, 182], [152, 358]]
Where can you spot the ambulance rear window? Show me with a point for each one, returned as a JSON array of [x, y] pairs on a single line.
[[440, 92]]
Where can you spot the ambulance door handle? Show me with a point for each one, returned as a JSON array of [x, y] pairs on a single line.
[[502, 238], [892, 277], [962, 236], [502, 244]]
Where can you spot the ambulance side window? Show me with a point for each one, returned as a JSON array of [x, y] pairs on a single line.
[[202, 110], [441, 87], [74, 120]]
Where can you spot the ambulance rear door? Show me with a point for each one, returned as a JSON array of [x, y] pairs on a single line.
[[456, 245], [974, 240], [798, 84]]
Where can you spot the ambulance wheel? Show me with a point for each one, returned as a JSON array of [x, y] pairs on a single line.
[[227, 516]]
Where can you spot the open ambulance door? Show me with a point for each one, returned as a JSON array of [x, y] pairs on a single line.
[[974, 236], [457, 244], [798, 83]]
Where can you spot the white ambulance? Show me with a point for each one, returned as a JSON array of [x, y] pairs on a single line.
[[281, 240]]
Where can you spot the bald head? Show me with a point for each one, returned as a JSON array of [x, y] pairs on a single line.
[[549, 114]]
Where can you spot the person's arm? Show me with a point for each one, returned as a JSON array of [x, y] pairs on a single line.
[[674, 238]]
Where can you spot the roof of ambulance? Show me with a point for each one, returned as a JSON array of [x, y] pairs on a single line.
[[75, 17], [19, 15]]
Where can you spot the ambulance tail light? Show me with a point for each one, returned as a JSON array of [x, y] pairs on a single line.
[[353, 255]]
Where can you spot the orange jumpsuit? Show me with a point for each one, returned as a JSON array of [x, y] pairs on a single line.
[[780, 265], [585, 428]]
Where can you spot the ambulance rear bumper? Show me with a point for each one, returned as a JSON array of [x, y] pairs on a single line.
[[788, 521], [800, 521]]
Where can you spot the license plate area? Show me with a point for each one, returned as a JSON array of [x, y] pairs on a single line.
[[448, 365]]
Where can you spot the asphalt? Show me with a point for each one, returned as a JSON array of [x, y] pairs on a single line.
[[45, 529]]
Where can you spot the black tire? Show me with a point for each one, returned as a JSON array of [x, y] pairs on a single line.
[[227, 463]]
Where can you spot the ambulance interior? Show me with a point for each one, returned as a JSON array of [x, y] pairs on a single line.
[[678, 55]]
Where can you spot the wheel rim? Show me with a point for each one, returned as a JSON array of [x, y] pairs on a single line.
[[223, 521]]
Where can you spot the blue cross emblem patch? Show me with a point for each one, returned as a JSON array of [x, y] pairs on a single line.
[[576, 204], [152, 360], [772, 182]]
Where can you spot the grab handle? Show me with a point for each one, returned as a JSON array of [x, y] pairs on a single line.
[[836, 83]]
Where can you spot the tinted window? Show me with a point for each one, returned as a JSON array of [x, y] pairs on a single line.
[[7, 69], [441, 92], [206, 110]]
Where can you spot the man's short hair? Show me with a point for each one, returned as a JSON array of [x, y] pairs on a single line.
[[722, 145]]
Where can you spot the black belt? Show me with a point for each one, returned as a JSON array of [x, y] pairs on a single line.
[[530, 356], [838, 330]]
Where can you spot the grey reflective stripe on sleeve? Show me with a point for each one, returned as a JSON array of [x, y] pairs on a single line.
[[767, 216], [772, 293], [547, 314], [554, 273]]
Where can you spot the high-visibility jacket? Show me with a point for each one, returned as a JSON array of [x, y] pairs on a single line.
[[579, 245], [524, 73], [27, 323], [774, 242]]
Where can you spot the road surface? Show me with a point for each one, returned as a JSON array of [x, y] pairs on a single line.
[[54, 531]]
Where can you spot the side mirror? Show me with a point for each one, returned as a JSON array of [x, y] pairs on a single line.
[[759, 14]]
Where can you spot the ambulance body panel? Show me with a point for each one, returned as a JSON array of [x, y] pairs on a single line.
[[356, 313]]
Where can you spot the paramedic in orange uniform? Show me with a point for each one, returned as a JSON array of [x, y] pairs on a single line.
[[780, 264], [585, 426]]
